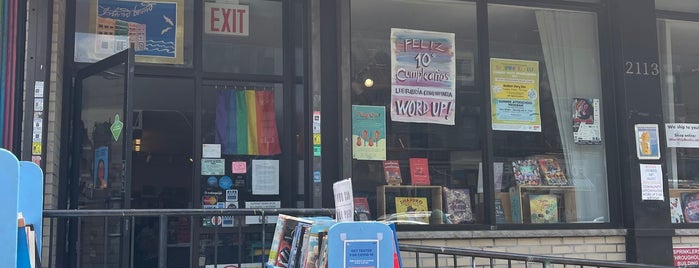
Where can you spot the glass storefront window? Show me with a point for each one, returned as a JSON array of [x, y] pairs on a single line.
[[549, 151], [677, 5], [231, 46], [409, 166], [159, 31], [680, 79]]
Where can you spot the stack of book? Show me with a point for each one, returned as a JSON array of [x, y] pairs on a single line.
[[298, 242]]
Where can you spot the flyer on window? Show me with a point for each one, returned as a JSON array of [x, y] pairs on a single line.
[[515, 95], [586, 121], [368, 132], [423, 77], [647, 141]]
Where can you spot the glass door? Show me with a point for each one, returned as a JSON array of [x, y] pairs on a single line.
[[101, 148]]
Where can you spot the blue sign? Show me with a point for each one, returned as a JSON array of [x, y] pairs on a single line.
[[361, 254], [361, 244], [225, 182], [212, 181], [316, 176]]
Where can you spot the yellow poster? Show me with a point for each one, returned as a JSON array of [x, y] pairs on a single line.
[[412, 209], [514, 95]]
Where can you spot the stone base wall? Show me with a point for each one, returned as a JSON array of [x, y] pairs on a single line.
[[606, 245]]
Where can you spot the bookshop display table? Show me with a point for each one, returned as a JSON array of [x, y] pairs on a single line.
[[387, 194], [560, 198]]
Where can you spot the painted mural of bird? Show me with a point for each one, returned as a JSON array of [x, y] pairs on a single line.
[[168, 20], [165, 30]]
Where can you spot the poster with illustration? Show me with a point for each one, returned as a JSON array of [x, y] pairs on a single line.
[[155, 28], [647, 141], [368, 132], [586, 121], [423, 77], [515, 95], [101, 169]]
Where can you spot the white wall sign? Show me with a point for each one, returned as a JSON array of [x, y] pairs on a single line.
[[226, 19], [652, 182], [682, 135]]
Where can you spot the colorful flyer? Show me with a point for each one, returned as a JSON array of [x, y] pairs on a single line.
[[586, 121], [101, 171], [423, 77], [647, 141], [515, 95], [368, 132]]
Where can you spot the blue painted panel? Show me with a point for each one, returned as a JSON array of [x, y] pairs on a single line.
[[353, 244], [31, 197], [9, 177]]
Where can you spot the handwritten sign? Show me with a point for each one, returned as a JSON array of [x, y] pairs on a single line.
[[344, 200], [423, 72]]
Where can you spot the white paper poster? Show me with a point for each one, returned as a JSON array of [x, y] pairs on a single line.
[[265, 177], [344, 200], [211, 151], [213, 167], [651, 182], [261, 204], [682, 135]]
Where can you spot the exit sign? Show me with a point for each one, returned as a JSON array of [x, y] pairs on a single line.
[[226, 19]]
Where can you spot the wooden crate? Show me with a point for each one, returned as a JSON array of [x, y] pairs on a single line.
[[386, 193], [519, 202]]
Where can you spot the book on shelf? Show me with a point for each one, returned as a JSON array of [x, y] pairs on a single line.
[[543, 208], [391, 170], [676, 215], [690, 206], [419, 171], [361, 208], [499, 212], [458, 205], [551, 171], [526, 172], [412, 209]]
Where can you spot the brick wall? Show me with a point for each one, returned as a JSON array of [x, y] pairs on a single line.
[[589, 244], [53, 138]]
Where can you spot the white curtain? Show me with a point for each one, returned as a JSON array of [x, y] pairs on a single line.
[[571, 55]]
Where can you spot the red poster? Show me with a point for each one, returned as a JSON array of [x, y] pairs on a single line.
[[419, 171]]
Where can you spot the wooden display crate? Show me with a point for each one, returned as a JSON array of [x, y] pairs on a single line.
[[387, 193]]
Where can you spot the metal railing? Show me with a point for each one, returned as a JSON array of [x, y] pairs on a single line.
[[416, 256], [459, 257], [163, 214]]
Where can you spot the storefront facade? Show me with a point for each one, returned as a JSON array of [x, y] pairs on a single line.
[[545, 127]]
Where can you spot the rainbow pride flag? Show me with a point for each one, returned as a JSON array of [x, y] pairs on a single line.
[[246, 123]]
